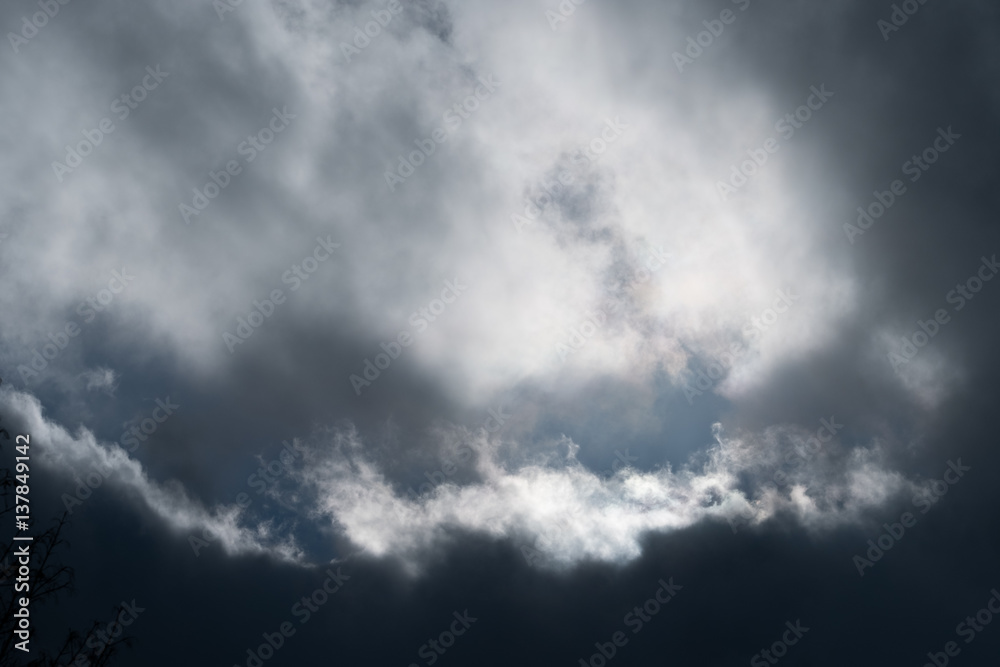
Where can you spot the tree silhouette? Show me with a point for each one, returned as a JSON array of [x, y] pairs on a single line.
[[47, 580]]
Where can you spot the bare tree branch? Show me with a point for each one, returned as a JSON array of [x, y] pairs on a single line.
[[47, 581]]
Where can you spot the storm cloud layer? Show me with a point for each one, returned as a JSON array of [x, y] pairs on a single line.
[[517, 312]]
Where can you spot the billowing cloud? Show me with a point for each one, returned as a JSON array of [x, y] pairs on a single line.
[[576, 286]]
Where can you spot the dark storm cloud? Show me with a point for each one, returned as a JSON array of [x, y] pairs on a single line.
[[544, 586]]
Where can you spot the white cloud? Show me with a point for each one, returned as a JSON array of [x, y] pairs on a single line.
[[579, 515], [548, 496], [81, 455]]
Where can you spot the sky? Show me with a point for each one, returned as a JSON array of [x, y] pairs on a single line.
[[422, 332]]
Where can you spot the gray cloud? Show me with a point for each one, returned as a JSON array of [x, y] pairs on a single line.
[[689, 366]]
